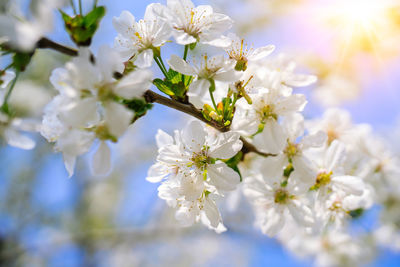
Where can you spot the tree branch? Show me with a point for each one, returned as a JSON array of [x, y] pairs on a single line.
[[47, 43], [152, 97]]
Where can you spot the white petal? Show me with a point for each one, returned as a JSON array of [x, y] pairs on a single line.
[[123, 24], [197, 90], [290, 104], [300, 80], [223, 177], [335, 156], [183, 38], [294, 126], [102, 160], [222, 41], [272, 139], [261, 52], [314, 140], [144, 59], [81, 113], [163, 139], [350, 184], [186, 216], [300, 213], [134, 84], [69, 162], [272, 168], [178, 64], [109, 61], [227, 145], [16, 139], [228, 76], [156, 173], [211, 212], [304, 169], [117, 118], [273, 223], [193, 136]]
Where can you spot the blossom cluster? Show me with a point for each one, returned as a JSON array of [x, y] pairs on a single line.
[[304, 178]]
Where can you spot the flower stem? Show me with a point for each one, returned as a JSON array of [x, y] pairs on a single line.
[[80, 7], [73, 6], [162, 63], [185, 53], [161, 67], [213, 100]]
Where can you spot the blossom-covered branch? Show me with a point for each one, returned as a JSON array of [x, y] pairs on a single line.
[[191, 110]]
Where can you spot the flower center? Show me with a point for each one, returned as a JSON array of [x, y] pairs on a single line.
[[267, 112], [281, 196], [322, 179], [291, 150], [201, 159], [105, 92], [332, 135]]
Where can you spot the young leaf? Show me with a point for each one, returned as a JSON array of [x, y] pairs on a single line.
[[164, 86]]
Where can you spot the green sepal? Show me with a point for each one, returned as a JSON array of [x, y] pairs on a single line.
[[192, 45], [82, 28], [259, 130], [129, 67], [233, 163]]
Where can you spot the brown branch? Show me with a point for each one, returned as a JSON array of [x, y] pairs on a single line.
[[47, 43], [152, 97]]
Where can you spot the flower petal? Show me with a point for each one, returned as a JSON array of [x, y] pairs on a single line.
[[101, 162], [178, 64]]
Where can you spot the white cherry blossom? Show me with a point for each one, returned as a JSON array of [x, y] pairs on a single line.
[[275, 198], [211, 70], [239, 51], [193, 174], [142, 38], [196, 24], [86, 108]]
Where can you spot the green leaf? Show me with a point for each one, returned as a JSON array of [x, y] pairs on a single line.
[[139, 106], [164, 86], [174, 76], [94, 16], [234, 161]]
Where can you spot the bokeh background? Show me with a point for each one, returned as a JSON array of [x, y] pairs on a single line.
[[48, 219]]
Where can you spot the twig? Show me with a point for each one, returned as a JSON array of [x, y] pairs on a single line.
[[47, 43]]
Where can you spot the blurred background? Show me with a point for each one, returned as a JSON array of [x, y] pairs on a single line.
[[48, 219]]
